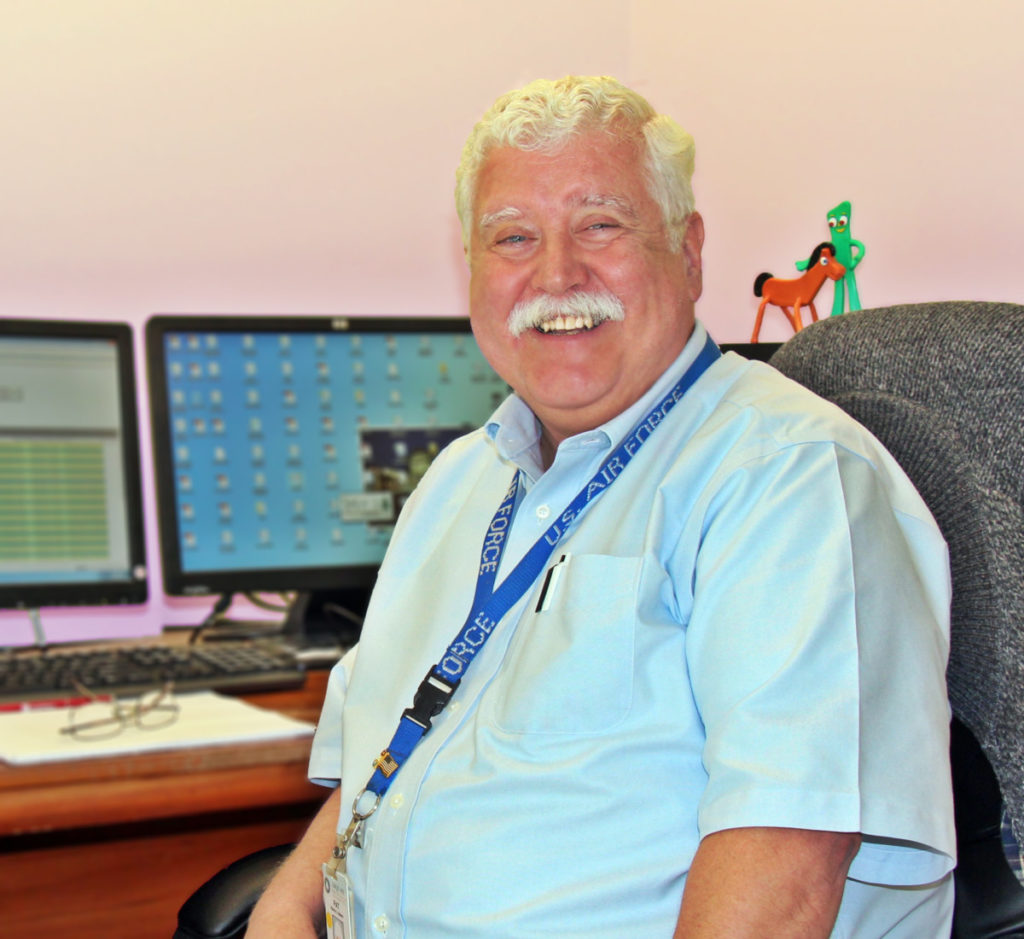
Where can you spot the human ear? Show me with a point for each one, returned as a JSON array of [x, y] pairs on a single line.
[[693, 244]]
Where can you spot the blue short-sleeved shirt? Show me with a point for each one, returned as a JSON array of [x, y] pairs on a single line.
[[749, 628]]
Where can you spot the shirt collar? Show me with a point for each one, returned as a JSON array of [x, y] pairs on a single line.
[[515, 429]]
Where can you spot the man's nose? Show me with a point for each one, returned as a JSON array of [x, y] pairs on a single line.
[[560, 267]]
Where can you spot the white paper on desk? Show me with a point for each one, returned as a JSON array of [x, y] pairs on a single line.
[[205, 718]]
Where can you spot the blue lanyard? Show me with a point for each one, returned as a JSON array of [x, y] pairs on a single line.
[[490, 605]]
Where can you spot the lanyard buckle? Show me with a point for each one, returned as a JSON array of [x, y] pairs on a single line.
[[430, 699]]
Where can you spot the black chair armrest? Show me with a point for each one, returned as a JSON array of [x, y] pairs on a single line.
[[220, 908], [989, 898]]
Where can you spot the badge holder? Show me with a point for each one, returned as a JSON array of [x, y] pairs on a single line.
[[339, 902]]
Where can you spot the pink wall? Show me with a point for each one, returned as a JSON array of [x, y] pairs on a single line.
[[911, 110], [298, 157]]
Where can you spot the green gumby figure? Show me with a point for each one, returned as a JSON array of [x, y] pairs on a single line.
[[839, 223]]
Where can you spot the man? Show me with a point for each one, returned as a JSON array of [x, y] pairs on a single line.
[[715, 706]]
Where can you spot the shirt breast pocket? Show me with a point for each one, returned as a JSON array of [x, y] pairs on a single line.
[[569, 668]]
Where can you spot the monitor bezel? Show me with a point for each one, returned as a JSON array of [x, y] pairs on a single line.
[[179, 582], [135, 589]]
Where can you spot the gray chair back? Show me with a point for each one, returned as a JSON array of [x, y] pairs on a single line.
[[942, 386]]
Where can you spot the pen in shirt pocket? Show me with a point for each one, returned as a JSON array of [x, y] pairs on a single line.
[[547, 591]]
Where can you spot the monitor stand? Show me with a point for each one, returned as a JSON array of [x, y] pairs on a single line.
[[38, 633], [322, 624], [39, 640]]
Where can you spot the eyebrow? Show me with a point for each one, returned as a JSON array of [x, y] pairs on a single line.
[[501, 215], [598, 200], [591, 200]]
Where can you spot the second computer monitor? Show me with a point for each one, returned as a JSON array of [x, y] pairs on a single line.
[[285, 447], [71, 526]]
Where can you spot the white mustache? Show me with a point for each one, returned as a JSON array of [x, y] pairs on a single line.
[[529, 314]]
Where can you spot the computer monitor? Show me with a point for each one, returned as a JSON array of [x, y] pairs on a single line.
[[285, 447], [760, 351], [71, 517]]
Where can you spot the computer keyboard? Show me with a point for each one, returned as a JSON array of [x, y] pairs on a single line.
[[235, 666]]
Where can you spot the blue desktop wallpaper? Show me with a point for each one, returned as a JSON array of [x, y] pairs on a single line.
[[298, 449]]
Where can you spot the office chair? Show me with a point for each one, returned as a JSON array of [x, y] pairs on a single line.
[[220, 908], [942, 386]]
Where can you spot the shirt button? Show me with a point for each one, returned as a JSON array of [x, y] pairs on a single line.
[[543, 511], [381, 923], [397, 800]]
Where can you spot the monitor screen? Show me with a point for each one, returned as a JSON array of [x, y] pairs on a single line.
[[71, 528], [285, 447]]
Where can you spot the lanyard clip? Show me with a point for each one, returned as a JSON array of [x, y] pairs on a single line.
[[353, 835]]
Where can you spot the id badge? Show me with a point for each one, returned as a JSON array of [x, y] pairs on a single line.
[[339, 905]]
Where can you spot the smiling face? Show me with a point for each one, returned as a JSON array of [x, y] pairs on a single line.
[[560, 229], [839, 219]]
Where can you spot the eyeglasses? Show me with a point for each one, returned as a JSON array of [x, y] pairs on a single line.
[[101, 718]]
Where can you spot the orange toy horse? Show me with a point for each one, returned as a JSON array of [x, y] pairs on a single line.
[[790, 295]]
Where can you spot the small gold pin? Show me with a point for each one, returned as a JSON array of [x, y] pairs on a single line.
[[385, 763]]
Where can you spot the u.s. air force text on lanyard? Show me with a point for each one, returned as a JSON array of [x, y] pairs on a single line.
[[490, 605]]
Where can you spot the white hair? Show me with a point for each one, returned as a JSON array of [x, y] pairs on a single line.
[[545, 114]]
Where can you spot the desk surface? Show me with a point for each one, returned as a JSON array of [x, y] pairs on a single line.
[[109, 791], [129, 838]]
